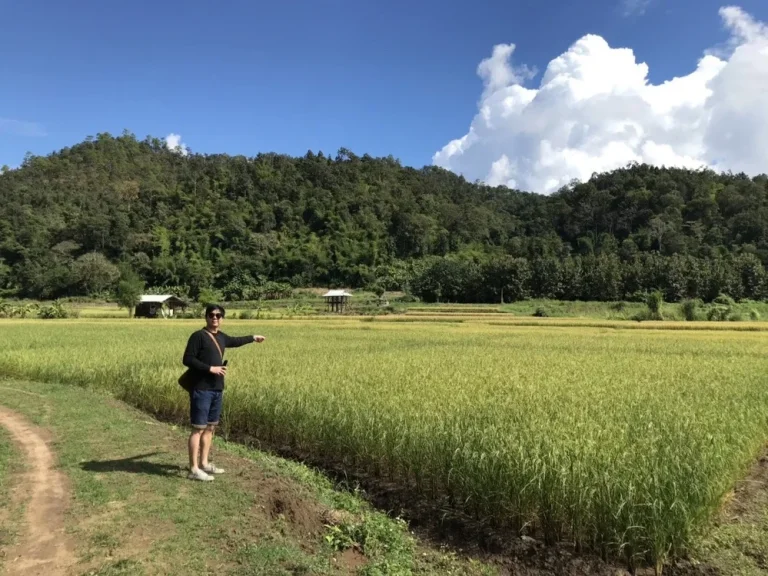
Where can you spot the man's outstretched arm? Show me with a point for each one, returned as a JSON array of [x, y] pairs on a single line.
[[236, 341]]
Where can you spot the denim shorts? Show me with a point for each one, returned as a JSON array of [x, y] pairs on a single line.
[[205, 407]]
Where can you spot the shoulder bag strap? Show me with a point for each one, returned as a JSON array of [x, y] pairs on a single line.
[[216, 342]]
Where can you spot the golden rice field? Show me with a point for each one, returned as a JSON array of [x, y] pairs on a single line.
[[623, 441]]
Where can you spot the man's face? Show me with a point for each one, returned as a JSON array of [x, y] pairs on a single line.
[[214, 319]]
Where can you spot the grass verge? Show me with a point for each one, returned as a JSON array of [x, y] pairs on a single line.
[[9, 507], [133, 511], [738, 543]]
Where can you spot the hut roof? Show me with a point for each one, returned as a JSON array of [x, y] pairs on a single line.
[[334, 293], [159, 298]]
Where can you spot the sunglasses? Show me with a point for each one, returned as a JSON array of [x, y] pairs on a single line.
[[215, 315]]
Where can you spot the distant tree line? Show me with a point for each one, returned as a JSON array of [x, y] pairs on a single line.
[[117, 211], [604, 277]]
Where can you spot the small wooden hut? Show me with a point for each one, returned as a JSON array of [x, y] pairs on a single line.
[[159, 306], [336, 300]]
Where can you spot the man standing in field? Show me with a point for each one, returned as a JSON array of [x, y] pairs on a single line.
[[204, 356]]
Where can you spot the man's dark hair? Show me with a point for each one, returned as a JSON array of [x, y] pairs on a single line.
[[211, 308]]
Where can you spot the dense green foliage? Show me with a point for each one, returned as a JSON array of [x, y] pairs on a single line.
[[68, 220]]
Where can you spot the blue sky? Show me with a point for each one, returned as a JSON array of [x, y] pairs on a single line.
[[244, 77]]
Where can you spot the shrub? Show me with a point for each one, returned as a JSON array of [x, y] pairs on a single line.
[[754, 315], [378, 289], [272, 291], [541, 312], [724, 300], [642, 316], [246, 315], [638, 296], [655, 301], [407, 299], [26, 310], [53, 311], [300, 309], [718, 313], [369, 309], [722, 308], [690, 310]]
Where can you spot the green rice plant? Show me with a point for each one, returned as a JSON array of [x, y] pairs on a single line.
[[623, 441]]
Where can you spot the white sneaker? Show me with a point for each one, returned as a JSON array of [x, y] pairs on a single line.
[[211, 469], [197, 474]]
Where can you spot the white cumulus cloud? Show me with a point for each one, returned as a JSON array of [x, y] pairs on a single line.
[[173, 142], [595, 110]]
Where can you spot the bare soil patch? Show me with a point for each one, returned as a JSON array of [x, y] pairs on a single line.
[[349, 561], [276, 498], [43, 547]]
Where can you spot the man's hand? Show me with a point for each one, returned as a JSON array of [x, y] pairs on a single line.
[[218, 370], [258, 339]]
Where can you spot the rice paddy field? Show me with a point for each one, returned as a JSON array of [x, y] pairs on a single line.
[[624, 442]]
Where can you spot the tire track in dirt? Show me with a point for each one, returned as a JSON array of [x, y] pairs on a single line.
[[43, 547]]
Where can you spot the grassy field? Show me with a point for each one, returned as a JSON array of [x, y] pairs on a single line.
[[624, 442]]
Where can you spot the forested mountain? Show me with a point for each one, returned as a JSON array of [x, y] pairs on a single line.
[[231, 222]]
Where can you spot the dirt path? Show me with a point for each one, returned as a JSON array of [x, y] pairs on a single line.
[[43, 547]]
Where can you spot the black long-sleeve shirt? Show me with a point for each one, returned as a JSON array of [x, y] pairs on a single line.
[[201, 354]]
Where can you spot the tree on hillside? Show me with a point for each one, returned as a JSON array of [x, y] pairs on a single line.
[[506, 279], [93, 273], [129, 290], [209, 296]]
